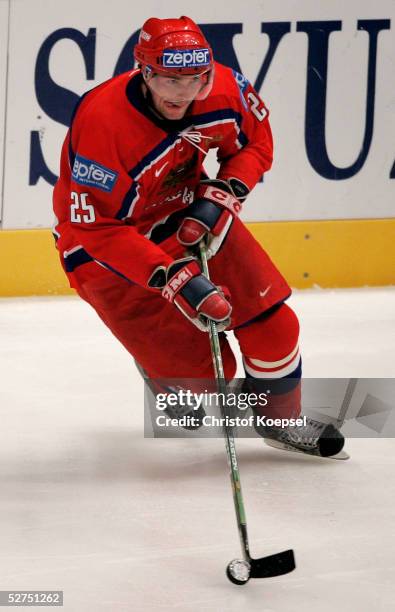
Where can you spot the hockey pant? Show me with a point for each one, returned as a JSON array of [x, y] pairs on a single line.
[[269, 346]]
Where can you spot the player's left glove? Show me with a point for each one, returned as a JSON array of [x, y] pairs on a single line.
[[195, 296], [212, 213]]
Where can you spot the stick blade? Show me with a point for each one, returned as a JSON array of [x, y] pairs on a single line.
[[273, 565]]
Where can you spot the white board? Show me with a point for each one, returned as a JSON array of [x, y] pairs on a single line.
[[293, 189]]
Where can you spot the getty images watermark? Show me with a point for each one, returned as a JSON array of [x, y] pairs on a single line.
[[177, 407], [230, 402]]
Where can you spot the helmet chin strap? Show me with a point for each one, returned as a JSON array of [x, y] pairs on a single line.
[[150, 101]]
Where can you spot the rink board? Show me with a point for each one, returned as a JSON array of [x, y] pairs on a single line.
[[325, 71], [308, 60], [309, 253]]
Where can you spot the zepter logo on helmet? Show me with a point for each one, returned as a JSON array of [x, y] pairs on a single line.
[[170, 47]]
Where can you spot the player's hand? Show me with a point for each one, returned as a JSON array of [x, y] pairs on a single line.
[[211, 214], [193, 294]]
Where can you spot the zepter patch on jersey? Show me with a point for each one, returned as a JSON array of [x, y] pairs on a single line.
[[88, 172], [186, 58]]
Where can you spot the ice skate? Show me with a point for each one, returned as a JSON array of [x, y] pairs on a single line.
[[194, 415], [314, 438]]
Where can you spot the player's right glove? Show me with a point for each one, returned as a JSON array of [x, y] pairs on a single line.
[[183, 284], [212, 213]]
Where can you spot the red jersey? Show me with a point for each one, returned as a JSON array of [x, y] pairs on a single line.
[[127, 175]]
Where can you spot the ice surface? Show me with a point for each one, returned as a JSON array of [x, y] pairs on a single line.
[[123, 523]]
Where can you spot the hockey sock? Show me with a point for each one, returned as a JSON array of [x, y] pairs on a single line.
[[272, 361]]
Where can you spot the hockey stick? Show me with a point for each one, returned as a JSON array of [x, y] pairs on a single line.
[[239, 571]]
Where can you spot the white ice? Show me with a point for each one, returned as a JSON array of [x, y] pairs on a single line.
[[123, 523]]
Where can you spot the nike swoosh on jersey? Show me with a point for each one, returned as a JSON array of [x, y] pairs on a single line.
[[265, 292], [158, 172]]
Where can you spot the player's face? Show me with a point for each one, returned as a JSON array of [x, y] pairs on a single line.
[[173, 94]]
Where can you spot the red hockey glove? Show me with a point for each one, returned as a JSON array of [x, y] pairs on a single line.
[[212, 213], [192, 293]]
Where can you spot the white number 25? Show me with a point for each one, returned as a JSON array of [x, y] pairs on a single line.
[[80, 205], [257, 106]]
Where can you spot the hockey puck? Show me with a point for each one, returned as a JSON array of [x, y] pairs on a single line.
[[238, 571]]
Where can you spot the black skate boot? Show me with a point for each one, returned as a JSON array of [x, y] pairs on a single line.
[[314, 438], [192, 414]]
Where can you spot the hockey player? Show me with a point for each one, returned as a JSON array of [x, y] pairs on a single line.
[[133, 201]]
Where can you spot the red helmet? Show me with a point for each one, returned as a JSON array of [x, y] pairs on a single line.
[[173, 45]]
